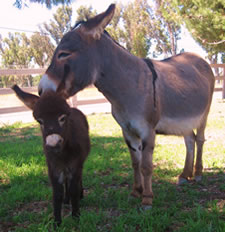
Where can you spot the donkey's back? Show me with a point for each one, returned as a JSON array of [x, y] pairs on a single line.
[[185, 86]]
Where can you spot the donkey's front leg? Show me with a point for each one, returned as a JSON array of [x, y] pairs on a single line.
[[58, 192], [136, 160], [147, 170], [135, 147]]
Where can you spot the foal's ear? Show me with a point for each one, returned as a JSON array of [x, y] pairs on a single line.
[[95, 26], [28, 99]]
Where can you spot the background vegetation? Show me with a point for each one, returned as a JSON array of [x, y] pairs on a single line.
[[145, 28]]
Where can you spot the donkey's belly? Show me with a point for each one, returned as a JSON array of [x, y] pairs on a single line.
[[178, 126]]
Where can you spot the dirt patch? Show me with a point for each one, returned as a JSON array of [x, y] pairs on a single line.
[[36, 207]]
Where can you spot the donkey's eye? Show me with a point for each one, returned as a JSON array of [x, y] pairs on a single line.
[[62, 119], [63, 55], [40, 121]]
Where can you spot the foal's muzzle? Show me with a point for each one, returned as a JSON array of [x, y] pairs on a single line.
[[54, 143]]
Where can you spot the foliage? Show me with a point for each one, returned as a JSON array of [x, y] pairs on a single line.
[[42, 49], [84, 13], [19, 51], [135, 21], [26, 197], [165, 27], [114, 28], [48, 3], [15, 52], [141, 26], [59, 25], [205, 19]]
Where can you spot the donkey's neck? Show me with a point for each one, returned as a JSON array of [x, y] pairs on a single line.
[[121, 74]]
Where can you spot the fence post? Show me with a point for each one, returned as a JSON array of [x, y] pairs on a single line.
[[223, 90], [73, 101]]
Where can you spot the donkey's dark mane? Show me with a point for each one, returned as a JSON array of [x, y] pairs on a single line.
[[77, 24]]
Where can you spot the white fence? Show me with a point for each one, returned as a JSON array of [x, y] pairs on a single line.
[[74, 101]]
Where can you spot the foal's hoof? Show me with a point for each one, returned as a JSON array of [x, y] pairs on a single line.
[[198, 178], [182, 181], [56, 224]]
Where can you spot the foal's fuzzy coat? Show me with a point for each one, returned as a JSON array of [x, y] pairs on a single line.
[[66, 145]]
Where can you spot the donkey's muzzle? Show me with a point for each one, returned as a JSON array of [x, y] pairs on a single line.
[[46, 84]]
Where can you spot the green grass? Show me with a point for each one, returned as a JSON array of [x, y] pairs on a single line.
[[25, 193]]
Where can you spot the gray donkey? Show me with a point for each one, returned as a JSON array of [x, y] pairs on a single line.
[[148, 97]]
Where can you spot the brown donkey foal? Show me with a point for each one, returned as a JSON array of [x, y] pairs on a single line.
[[66, 145]]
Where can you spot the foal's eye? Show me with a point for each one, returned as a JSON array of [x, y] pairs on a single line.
[[40, 121], [63, 55], [62, 119]]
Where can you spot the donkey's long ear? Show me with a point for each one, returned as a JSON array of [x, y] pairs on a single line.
[[28, 99], [95, 26]]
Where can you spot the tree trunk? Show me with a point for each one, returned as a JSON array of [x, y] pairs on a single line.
[[172, 40]]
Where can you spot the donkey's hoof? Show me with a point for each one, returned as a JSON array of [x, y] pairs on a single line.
[[182, 181], [135, 194], [198, 178], [146, 201]]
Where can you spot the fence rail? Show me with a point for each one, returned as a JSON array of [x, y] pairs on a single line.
[[220, 77], [21, 72], [74, 101]]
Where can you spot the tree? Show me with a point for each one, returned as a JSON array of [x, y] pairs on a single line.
[[48, 3], [150, 25], [16, 53], [114, 28], [166, 27], [15, 50], [61, 22], [59, 25], [135, 19], [19, 51], [42, 49], [206, 22], [84, 13]]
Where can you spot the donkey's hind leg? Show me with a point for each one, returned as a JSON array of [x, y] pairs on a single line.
[[200, 139], [189, 161]]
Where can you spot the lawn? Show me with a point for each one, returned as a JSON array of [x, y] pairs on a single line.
[[25, 193]]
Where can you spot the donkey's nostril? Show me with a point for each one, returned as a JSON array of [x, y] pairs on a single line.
[[40, 92]]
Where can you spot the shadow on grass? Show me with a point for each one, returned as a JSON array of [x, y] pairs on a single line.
[[108, 178], [18, 131]]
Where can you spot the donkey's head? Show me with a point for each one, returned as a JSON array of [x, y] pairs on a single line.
[[75, 63], [52, 112]]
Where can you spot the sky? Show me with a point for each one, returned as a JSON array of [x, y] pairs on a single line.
[[28, 19]]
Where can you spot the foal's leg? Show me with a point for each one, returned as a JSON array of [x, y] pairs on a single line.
[[200, 139], [147, 169], [75, 192], [57, 198], [189, 161], [66, 192]]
